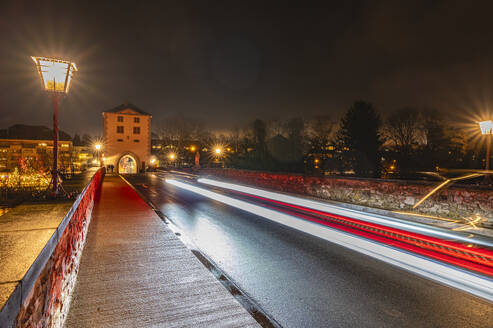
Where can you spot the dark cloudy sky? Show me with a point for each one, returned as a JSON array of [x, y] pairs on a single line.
[[227, 62]]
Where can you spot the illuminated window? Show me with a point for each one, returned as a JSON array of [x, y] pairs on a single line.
[[119, 118], [119, 129], [136, 120], [136, 130]]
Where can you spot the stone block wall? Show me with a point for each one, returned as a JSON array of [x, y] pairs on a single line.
[[47, 303], [453, 202]]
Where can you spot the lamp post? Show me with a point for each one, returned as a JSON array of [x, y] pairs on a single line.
[[99, 150], [218, 153], [56, 76], [171, 159], [487, 130]]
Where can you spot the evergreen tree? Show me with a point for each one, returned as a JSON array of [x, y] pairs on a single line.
[[360, 139]]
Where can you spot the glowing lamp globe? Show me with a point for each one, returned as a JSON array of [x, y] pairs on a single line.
[[56, 74], [486, 127]]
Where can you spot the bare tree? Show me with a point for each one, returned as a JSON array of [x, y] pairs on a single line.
[[403, 128], [320, 129]]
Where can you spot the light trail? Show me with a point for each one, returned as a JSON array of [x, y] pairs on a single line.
[[440, 186], [461, 279], [364, 216], [443, 184], [455, 252]]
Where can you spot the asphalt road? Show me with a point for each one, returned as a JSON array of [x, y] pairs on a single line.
[[303, 281]]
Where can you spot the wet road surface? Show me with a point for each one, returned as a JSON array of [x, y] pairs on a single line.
[[303, 281]]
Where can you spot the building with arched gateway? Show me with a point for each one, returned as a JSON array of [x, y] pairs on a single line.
[[127, 139]]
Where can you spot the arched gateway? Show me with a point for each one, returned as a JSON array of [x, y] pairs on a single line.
[[127, 139], [127, 165]]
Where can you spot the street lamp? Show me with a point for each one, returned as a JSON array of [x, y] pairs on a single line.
[[99, 148], [218, 152], [56, 76], [487, 130]]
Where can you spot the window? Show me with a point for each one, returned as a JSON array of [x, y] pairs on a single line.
[[119, 118], [119, 140], [136, 130], [136, 140], [119, 129], [136, 120]]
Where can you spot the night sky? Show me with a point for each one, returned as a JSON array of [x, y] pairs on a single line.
[[227, 62]]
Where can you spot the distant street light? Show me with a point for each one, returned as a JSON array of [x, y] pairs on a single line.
[[218, 153], [487, 130], [99, 148], [192, 148], [172, 156], [56, 76]]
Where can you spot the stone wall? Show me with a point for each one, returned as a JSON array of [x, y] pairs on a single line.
[[454, 202], [47, 302]]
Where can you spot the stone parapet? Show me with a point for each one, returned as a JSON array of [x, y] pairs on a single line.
[[454, 202], [41, 298]]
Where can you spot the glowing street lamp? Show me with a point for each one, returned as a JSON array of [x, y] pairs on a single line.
[[56, 77], [487, 130], [218, 152], [99, 148]]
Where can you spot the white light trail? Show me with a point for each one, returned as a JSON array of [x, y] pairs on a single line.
[[443, 273], [368, 217]]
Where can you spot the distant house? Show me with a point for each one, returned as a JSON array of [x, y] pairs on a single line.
[[34, 144], [127, 138]]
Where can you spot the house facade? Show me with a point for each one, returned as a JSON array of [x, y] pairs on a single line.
[[127, 139], [27, 145], [39, 153]]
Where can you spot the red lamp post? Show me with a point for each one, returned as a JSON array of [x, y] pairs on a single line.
[[56, 76]]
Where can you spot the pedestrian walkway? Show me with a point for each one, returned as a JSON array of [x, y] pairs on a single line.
[[135, 272]]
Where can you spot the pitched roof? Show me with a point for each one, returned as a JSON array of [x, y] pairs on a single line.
[[121, 107], [31, 132]]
